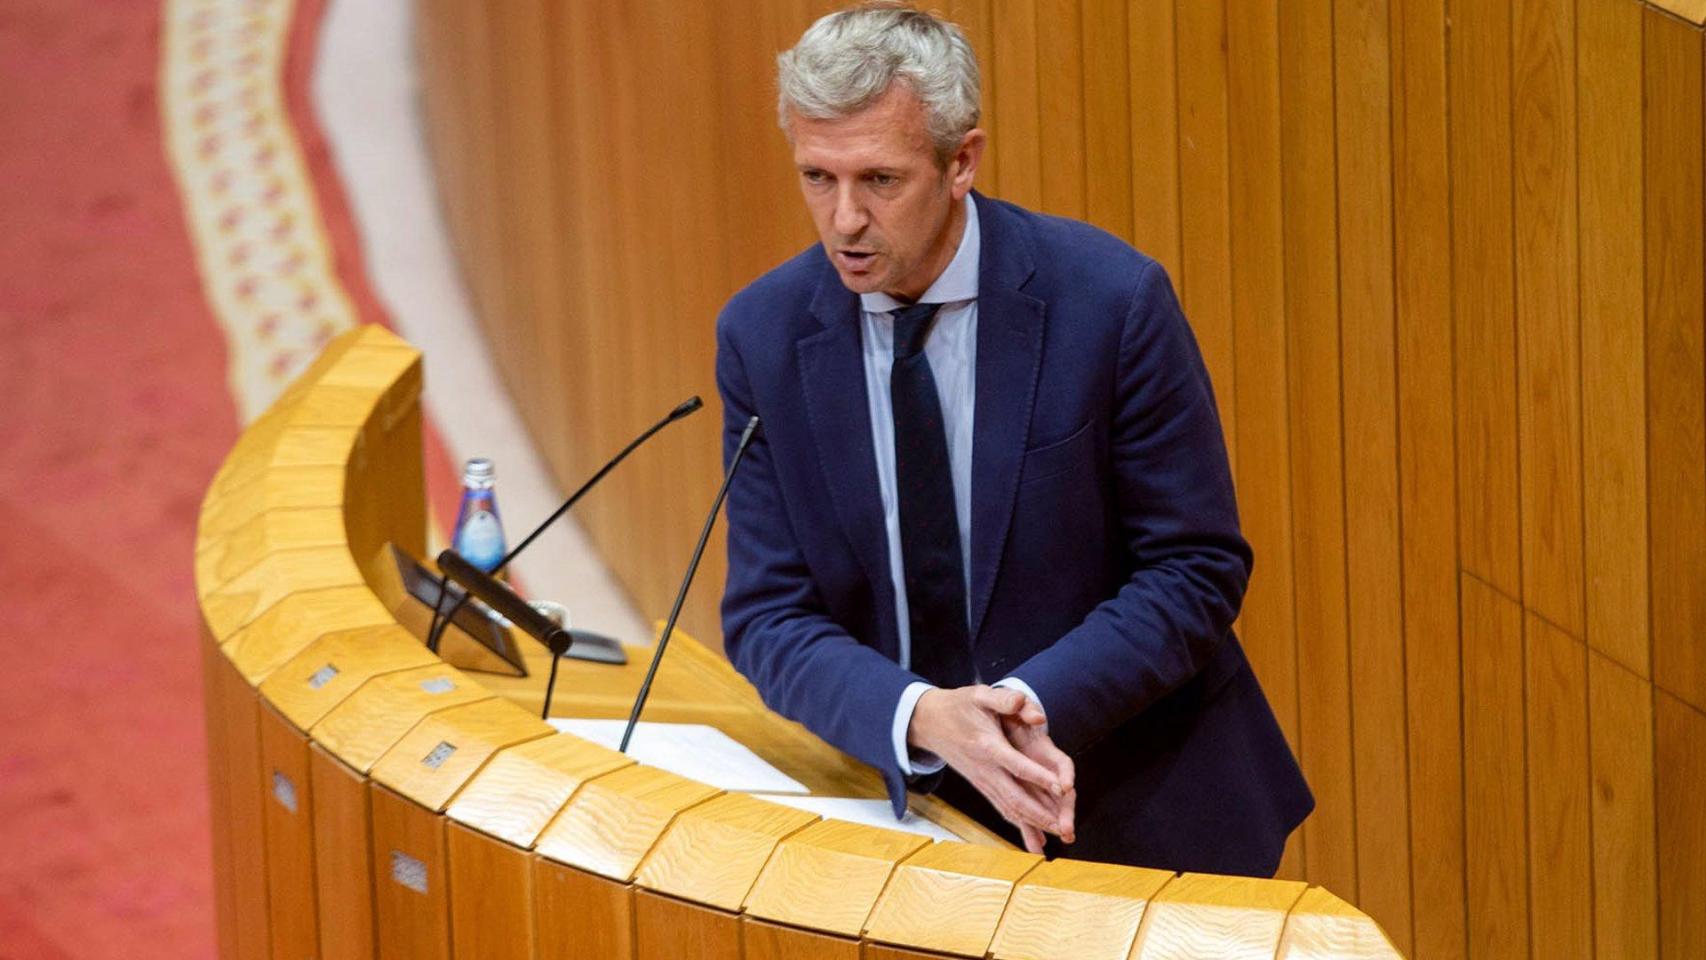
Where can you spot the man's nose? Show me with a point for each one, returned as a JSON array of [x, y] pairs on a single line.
[[850, 217]]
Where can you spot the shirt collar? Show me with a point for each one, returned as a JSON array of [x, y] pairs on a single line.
[[957, 283]]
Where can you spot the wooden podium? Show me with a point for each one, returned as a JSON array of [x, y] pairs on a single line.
[[372, 800]]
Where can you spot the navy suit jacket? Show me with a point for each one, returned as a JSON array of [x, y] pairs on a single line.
[[1106, 560]]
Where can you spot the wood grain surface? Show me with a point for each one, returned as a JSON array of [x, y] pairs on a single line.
[[1199, 914], [277, 575], [523, 787], [613, 821], [435, 758], [712, 853], [666, 928], [1322, 926], [333, 667], [1071, 908], [772, 941], [291, 625], [411, 898], [828, 876], [343, 858], [491, 896], [371, 720], [287, 819], [976, 880]]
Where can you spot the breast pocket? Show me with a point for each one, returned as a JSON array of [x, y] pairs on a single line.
[[1059, 457]]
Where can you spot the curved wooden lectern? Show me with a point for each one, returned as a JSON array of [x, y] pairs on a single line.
[[371, 800]]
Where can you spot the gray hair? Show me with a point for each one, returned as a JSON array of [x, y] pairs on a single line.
[[847, 60]]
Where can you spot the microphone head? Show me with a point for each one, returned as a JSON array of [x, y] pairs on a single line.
[[687, 406]]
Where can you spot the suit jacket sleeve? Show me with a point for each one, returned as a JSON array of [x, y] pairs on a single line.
[[1179, 521], [776, 630]]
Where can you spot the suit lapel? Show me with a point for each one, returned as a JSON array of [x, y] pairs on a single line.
[[833, 380], [1009, 361]]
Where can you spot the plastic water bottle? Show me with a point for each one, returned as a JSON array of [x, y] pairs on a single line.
[[479, 536]]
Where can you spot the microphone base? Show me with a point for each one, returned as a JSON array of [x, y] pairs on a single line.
[[595, 647]]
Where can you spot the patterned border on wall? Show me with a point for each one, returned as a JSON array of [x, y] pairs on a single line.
[[268, 268]]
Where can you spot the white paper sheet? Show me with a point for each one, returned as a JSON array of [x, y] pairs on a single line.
[[692, 750], [874, 813]]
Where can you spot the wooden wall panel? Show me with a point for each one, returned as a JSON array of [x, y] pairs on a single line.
[[1153, 62], [1560, 882], [491, 896], [1614, 416], [1258, 418], [1362, 72], [343, 858], [288, 820], [1679, 734], [1060, 103], [219, 796], [579, 916], [1494, 772], [1107, 118], [1543, 101], [1488, 504], [1317, 449], [1427, 482], [1676, 355], [1446, 264], [1204, 244], [1017, 106], [1620, 711], [411, 899]]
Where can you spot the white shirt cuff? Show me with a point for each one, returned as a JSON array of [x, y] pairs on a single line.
[[912, 762], [1014, 683]]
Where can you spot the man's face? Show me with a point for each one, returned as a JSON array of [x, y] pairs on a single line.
[[888, 214]]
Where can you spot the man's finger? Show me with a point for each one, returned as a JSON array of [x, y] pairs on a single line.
[[1024, 768], [1068, 816], [1000, 700], [1040, 747], [1032, 836], [1016, 803]]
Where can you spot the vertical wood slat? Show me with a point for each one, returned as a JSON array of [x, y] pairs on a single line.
[[1494, 772], [1625, 883], [1427, 478], [1560, 875], [1679, 734], [1362, 71], [1155, 134], [976, 18], [1205, 291], [1317, 478], [1488, 501], [1018, 143], [1258, 418], [1060, 92], [1543, 103], [1614, 416], [1107, 117], [1676, 355]]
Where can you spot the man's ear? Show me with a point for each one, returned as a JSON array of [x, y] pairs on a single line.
[[962, 166]]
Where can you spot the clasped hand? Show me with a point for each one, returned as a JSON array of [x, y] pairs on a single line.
[[996, 739]]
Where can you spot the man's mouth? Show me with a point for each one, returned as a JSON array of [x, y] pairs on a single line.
[[855, 259]]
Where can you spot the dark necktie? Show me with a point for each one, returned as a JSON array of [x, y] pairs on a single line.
[[929, 527]]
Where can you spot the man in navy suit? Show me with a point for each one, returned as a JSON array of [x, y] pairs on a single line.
[[986, 540]]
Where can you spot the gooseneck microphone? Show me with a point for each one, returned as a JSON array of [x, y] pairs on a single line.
[[438, 625], [687, 581]]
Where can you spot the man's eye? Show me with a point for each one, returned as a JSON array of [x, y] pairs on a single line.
[[884, 179], [815, 176]]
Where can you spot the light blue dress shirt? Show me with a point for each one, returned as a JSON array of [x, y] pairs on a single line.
[[951, 351]]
